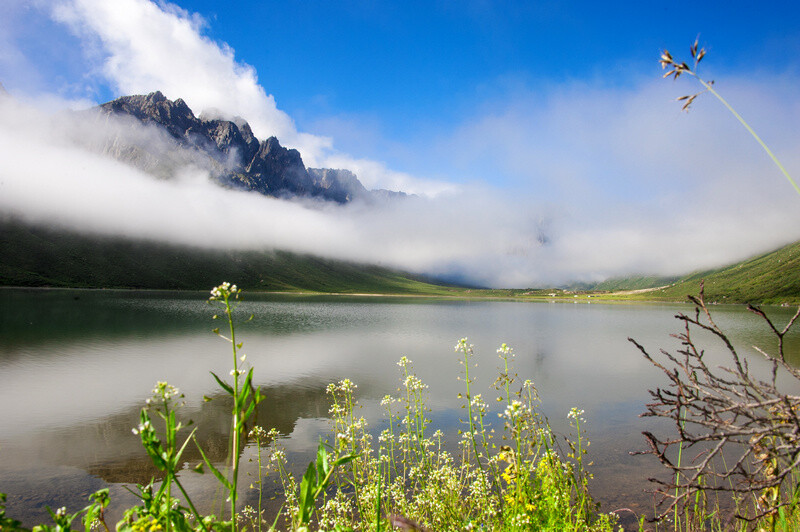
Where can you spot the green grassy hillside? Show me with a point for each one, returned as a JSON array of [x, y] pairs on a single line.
[[33, 256], [773, 277], [635, 282]]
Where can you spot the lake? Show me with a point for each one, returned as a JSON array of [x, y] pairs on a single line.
[[77, 366]]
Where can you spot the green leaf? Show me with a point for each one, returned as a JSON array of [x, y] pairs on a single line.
[[248, 412], [224, 481], [222, 384], [307, 488], [344, 459], [180, 451], [322, 462]]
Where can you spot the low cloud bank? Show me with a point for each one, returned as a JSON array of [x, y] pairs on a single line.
[[587, 180], [474, 232]]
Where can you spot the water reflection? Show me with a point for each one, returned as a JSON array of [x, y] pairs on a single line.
[[76, 366]]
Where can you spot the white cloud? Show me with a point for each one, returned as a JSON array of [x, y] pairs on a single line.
[[640, 186], [143, 47]]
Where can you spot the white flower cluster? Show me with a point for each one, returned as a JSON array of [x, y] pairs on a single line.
[[141, 427], [347, 386], [413, 383], [388, 400], [505, 352], [478, 403], [258, 433], [225, 289], [464, 346], [515, 411], [576, 414], [278, 456], [165, 390]]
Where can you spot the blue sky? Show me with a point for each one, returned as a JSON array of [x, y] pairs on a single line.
[[537, 118]]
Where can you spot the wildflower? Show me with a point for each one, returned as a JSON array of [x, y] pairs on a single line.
[[165, 390], [223, 291], [576, 414], [387, 400], [278, 456], [414, 383], [514, 411], [346, 385], [463, 345], [478, 403], [505, 350], [258, 432]]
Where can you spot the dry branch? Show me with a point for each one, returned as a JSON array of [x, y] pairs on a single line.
[[741, 432]]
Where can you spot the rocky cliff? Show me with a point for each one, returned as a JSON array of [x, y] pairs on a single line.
[[164, 137]]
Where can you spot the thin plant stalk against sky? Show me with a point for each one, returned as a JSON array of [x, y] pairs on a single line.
[[682, 68]]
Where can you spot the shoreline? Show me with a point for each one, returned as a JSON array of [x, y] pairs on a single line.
[[611, 298]]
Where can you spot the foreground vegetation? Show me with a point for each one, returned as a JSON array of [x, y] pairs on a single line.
[[519, 477]]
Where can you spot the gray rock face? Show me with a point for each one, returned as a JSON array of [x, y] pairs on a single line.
[[341, 185], [165, 136]]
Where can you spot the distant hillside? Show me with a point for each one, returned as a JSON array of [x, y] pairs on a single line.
[[33, 256], [773, 277], [635, 283]]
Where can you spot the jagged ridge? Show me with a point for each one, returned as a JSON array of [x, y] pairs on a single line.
[[227, 149]]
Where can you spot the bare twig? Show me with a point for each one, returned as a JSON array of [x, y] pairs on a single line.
[[745, 430]]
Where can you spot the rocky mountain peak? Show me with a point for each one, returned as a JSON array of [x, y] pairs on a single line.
[[226, 148]]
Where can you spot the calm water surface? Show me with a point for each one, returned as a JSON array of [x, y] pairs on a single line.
[[76, 367]]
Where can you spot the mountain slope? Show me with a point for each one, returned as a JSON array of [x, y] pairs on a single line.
[[164, 137], [772, 277], [34, 256]]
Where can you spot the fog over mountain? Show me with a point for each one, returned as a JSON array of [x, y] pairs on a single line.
[[162, 137], [207, 182], [107, 171], [528, 181]]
